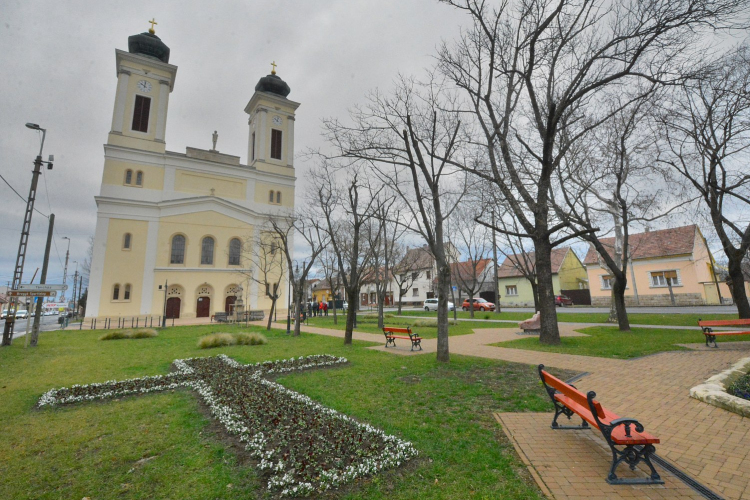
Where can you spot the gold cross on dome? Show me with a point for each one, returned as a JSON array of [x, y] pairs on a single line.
[[153, 22], [273, 71]]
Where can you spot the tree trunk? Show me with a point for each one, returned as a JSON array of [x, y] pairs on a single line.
[[350, 314], [471, 305], [618, 299], [400, 296], [550, 334], [535, 293], [738, 285], [444, 280], [612, 307], [270, 315], [381, 299], [298, 309]]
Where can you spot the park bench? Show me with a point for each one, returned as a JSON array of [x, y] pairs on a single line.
[[634, 444], [711, 335], [220, 317], [392, 333]]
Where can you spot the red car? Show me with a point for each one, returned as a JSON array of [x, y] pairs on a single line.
[[563, 300], [479, 305]]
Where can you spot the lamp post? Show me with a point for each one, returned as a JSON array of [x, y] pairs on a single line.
[[289, 300], [75, 282], [65, 269], [26, 228]]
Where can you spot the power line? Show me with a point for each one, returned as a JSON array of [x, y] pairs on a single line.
[[24, 199]]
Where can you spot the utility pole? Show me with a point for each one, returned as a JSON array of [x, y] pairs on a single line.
[[25, 230], [75, 282], [42, 280], [80, 291], [65, 269], [496, 281]]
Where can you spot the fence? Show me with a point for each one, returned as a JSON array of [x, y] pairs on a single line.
[[131, 322]]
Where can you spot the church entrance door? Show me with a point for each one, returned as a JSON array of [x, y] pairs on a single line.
[[173, 307], [204, 307], [229, 304]]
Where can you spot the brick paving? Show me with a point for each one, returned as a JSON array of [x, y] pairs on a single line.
[[708, 443]]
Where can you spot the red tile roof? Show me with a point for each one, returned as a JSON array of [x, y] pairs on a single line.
[[512, 265], [465, 270], [652, 244]]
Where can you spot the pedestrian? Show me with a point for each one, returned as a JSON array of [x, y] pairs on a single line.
[[309, 308], [325, 308], [315, 308]]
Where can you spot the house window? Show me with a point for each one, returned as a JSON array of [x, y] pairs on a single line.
[[278, 197], [428, 275], [126, 241], [414, 276], [235, 248], [276, 144], [207, 250], [128, 177], [511, 290], [270, 197], [606, 282], [139, 178], [665, 278], [252, 147], [126, 295], [415, 292], [116, 292], [178, 250], [140, 113]]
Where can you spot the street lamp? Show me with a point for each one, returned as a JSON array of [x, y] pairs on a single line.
[[65, 269], [289, 300]]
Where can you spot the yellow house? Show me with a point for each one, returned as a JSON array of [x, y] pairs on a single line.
[[172, 228], [676, 258]]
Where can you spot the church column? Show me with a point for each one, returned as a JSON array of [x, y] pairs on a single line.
[[260, 149], [118, 117], [147, 294], [161, 117], [290, 142], [97, 267]]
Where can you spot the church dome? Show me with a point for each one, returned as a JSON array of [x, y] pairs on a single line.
[[149, 45], [273, 84]]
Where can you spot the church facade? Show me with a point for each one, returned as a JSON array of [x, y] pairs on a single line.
[[182, 222]]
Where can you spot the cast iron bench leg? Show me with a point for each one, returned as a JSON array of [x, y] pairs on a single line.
[[633, 455]]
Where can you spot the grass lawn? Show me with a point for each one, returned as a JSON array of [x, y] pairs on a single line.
[[609, 342], [573, 317], [369, 324], [164, 446]]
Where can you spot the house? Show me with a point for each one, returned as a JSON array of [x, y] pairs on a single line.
[[368, 292], [417, 274], [667, 267], [476, 277], [568, 278], [321, 291]]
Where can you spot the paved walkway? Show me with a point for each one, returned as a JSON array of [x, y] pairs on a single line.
[[708, 443]]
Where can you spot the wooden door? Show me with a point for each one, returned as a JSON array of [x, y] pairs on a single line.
[[203, 310], [229, 304], [173, 307]]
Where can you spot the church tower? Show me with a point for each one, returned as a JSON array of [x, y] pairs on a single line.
[[271, 142], [144, 80]]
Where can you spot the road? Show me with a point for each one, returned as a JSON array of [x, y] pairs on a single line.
[[47, 323]]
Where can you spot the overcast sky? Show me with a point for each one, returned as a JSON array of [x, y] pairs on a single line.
[[58, 70]]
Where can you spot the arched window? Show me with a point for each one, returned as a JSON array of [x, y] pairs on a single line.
[[126, 241], [178, 250], [207, 250], [139, 178], [278, 197], [235, 248], [128, 176], [116, 292], [270, 196], [126, 296]]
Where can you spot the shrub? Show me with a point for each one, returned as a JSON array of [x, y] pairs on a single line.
[[244, 338], [430, 323], [143, 333], [216, 340], [116, 335], [741, 387]]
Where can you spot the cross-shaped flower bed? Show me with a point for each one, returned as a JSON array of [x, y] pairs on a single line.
[[302, 446]]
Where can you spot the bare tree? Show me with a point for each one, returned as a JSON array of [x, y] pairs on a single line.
[[330, 269], [409, 140], [347, 208], [474, 243], [707, 135], [409, 262], [316, 239], [266, 266], [531, 70]]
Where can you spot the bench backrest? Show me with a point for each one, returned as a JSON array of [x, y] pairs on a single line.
[[570, 391], [393, 329], [724, 322]]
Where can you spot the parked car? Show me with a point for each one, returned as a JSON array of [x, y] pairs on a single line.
[[22, 313], [432, 305], [563, 300], [479, 305], [4, 314]]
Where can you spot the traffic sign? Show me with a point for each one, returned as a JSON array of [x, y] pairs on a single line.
[[31, 293], [38, 288]]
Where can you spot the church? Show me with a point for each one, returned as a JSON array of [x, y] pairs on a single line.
[[173, 228]]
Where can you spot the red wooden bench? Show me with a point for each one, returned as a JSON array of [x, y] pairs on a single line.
[[391, 334], [711, 335], [625, 436]]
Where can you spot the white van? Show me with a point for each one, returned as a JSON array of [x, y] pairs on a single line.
[[22, 313], [432, 305]]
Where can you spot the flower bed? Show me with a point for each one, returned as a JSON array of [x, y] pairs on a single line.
[[301, 446], [741, 387]]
